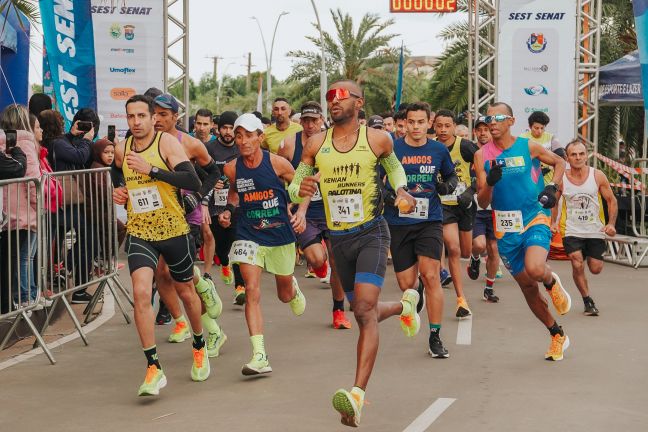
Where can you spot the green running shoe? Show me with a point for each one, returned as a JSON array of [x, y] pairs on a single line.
[[227, 275], [153, 382], [214, 343], [409, 318], [180, 332], [298, 303], [349, 407], [200, 368], [210, 298], [258, 365]]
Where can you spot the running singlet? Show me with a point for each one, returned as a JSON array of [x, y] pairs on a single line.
[[581, 213], [349, 182], [422, 166], [546, 141], [274, 136], [263, 205], [153, 208], [316, 207], [515, 197], [463, 172]]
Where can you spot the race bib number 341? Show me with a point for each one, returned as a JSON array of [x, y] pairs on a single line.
[[346, 208]]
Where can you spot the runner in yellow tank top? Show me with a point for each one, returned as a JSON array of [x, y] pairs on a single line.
[[347, 158]]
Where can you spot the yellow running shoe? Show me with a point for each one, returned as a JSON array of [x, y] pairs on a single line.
[[180, 332], [206, 289], [298, 303], [349, 406], [557, 348], [258, 365], [463, 311], [559, 296], [214, 343], [153, 382], [227, 276], [409, 320], [200, 369]]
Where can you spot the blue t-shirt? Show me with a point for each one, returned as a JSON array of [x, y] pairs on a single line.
[[422, 166]]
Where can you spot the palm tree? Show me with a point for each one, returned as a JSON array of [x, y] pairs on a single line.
[[29, 8]]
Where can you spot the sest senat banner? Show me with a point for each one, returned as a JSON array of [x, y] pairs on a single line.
[[536, 69], [98, 55]]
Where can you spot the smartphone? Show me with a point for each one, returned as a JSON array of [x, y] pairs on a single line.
[[84, 126], [111, 133], [11, 138]]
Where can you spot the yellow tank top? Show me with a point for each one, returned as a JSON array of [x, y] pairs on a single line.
[[349, 182], [154, 210], [463, 173], [545, 141]]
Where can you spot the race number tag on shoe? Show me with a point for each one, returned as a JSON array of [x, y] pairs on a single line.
[[346, 208], [581, 216], [144, 200], [509, 221], [452, 198], [244, 251], [220, 197], [421, 210]]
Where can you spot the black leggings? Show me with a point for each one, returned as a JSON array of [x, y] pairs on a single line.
[[224, 238]]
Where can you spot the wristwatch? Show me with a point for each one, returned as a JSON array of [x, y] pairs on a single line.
[[154, 171]]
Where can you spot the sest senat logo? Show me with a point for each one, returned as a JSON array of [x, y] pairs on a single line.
[[536, 43], [543, 68], [536, 90], [124, 70]]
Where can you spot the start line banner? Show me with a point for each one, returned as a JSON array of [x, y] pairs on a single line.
[[98, 55], [536, 69]]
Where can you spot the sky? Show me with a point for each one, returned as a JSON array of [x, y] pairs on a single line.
[[225, 29]]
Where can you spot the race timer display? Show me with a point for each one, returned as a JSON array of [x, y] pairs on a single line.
[[438, 6]]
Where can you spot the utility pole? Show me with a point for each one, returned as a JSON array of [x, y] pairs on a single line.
[[248, 81], [215, 59]]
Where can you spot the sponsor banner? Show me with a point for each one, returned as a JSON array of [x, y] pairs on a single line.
[[537, 62], [129, 46], [69, 45]]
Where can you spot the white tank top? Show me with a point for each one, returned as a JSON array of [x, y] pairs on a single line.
[[582, 210]]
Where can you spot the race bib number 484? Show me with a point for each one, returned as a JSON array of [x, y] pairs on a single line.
[[244, 251]]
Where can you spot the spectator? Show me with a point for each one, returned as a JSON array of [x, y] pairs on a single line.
[[38, 103], [463, 132]]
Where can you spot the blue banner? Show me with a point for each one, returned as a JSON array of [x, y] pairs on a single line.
[[69, 43], [14, 85], [399, 83]]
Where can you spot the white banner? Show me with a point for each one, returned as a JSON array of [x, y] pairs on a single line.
[[536, 67], [129, 52]]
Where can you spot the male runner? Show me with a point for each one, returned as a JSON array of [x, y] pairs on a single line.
[[282, 127], [264, 236], [483, 235], [400, 128], [310, 240], [458, 209], [417, 238], [508, 172], [347, 157], [166, 116], [388, 121], [156, 227], [581, 220], [538, 122], [223, 150]]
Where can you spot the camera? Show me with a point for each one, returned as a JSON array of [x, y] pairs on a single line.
[[11, 138], [84, 126]]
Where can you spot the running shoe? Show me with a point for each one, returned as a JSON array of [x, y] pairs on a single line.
[[489, 295], [227, 275], [322, 271], [473, 268], [298, 303], [340, 320], [258, 365], [409, 319], [153, 382], [214, 343], [200, 368], [81, 297], [239, 295], [309, 274], [445, 277], [421, 291], [349, 406], [437, 350], [559, 296], [163, 316], [499, 274], [463, 311], [207, 276], [211, 300], [327, 279], [180, 332], [557, 348], [590, 308]]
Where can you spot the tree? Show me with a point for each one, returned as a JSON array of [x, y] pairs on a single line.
[[29, 8]]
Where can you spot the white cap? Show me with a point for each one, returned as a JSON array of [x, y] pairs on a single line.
[[249, 122]]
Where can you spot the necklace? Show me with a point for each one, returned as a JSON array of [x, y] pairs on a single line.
[[345, 136]]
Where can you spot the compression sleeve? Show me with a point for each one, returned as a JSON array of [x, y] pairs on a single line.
[[117, 176], [183, 176], [211, 178], [303, 170], [395, 171]]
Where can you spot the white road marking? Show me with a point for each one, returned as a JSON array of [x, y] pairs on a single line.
[[464, 332], [422, 422]]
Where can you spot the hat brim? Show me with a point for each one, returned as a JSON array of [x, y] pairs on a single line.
[[311, 115]]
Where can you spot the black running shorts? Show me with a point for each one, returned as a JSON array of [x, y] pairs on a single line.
[[178, 252], [455, 214], [589, 247], [361, 253], [408, 242]]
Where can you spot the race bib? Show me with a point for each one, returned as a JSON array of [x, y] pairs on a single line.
[[244, 251], [317, 196], [452, 198], [144, 200], [509, 221], [582, 216], [220, 197], [346, 208], [421, 211]]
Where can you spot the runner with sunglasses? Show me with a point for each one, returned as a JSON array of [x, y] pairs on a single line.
[[347, 158], [508, 171]]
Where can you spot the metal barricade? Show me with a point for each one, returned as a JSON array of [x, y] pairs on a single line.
[[21, 255]]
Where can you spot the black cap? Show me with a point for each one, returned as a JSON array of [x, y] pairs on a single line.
[[311, 109], [376, 122], [227, 118], [480, 120]]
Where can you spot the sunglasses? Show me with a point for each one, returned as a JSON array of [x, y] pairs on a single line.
[[340, 94], [499, 118]]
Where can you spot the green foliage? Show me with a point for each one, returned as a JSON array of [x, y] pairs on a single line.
[[29, 8]]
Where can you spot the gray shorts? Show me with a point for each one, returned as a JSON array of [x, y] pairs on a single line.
[[316, 231]]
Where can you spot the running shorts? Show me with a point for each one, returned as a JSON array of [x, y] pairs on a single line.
[[512, 247], [589, 247], [408, 242], [316, 231], [484, 224], [456, 214], [278, 260], [178, 252]]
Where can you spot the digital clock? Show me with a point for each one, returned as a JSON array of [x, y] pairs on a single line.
[[438, 6]]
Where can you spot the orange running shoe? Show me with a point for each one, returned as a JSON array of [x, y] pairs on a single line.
[[340, 320]]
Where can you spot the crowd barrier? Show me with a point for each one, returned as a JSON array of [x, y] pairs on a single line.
[[77, 244]]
